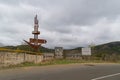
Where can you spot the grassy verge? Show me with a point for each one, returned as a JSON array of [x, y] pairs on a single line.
[[54, 62]]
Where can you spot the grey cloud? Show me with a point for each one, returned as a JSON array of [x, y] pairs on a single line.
[[67, 23], [77, 12], [82, 13]]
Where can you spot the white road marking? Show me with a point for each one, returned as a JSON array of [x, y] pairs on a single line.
[[105, 76]]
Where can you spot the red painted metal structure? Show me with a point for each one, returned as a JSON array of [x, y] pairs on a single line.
[[35, 43]]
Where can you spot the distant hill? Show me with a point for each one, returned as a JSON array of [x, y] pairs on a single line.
[[108, 48], [75, 50], [28, 48], [98, 50]]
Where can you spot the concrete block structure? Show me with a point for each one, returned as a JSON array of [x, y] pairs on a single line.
[[58, 52]]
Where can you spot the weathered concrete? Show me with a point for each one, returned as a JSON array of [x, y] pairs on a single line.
[[73, 56], [8, 58], [48, 56]]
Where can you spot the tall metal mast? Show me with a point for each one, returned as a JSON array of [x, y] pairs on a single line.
[[36, 32], [36, 42]]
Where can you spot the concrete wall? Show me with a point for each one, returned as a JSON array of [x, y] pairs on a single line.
[[8, 58], [48, 56], [73, 56], [17, 58]]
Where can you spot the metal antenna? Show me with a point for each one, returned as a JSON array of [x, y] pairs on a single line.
[[35, 43]]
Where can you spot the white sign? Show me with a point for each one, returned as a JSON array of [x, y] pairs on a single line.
[[86, 51]]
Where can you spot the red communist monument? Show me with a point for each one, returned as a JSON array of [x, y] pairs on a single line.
[[35, 43]]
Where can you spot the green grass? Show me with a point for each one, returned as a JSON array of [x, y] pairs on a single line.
[[55, 62]]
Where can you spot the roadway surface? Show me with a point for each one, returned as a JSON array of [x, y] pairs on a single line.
[[64, 72]]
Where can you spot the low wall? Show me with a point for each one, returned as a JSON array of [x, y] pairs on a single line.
[[48, 56], [73, 56], [8, 58]]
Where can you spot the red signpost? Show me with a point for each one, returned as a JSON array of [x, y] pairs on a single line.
[[35, 43]]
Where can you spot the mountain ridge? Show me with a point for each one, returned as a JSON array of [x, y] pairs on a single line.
[[107, 48]]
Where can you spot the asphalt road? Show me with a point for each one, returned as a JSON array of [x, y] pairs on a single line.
[[64, 72]]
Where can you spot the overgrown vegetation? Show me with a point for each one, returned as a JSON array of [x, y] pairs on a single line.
[[28, 48], [54, 62], [17, 51]]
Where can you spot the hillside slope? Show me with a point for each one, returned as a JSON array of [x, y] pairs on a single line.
[[28, 48], [108, 48]]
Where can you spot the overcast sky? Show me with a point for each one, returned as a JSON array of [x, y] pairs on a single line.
[[66, 23]]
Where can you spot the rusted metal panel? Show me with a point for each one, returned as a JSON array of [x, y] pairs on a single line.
[[35, 32], [37, 40], [32, 45]]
